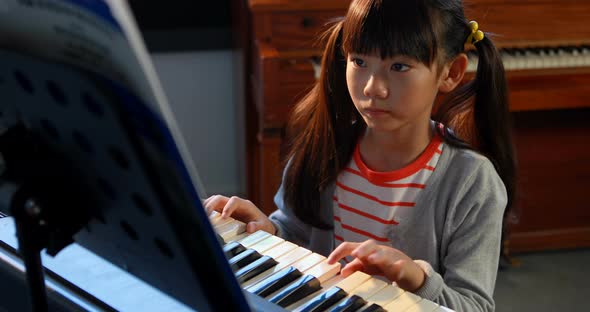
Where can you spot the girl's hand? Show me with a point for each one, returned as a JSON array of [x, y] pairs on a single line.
[[241, 210], [375, 259]]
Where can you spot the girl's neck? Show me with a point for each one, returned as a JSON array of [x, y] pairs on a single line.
[[387, 151]]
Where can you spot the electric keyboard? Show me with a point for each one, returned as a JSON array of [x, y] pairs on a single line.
[[297, 279], [274, 273]]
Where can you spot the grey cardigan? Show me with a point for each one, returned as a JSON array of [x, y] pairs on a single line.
[[453, 233]]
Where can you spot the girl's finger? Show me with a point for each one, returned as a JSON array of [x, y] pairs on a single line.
[[343, 250], [229, 208], [365, 249], [207, 200], [252, 227], [353, 266], [216, 202]]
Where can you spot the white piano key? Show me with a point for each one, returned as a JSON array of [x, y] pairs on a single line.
[[443, 309], [280, 249], [423, 306], [324, 271], [308, 262], [237, 237], [217, 221], [402, 302], [386, 295], [369, 288], [231, 229], [254, 238], [267, 243], [353, 281]]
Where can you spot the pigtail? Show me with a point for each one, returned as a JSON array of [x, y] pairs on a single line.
[[493, 123], [478, 111], [319, 137]]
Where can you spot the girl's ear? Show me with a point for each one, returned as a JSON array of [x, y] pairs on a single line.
[[453, 74]]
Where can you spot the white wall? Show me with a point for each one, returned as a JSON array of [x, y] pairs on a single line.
[[205, 90]]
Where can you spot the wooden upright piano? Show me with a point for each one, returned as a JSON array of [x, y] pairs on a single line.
[[546, 49]]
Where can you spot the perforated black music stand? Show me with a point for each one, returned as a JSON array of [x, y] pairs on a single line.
[[116, 174]]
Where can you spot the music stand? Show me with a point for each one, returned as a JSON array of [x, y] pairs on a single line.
[[116, 181]]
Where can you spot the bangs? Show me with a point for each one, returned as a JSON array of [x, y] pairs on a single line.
[[389, 28]]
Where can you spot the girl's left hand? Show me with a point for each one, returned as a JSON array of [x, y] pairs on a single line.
[[375, 259]]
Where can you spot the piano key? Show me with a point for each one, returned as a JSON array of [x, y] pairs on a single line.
[[424, 306], [353, 281], [351, 303], [214, 218], [386, 295], [300, 288], [244, 258], [219, 221], [301, 266], [322, 301], [267, 243], [326, 274], [280, 249], [369, 287], [255, 268], [403, 302], [275, 282], [324, 271], [443, 309], [347, 285], [297, 281], [238, 237], [254, 238], [231, 229], [374, 308], [308, 262], [232, 249], [284, 261]]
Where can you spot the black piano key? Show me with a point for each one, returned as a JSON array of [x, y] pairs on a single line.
[[297, 290], [233, 248], [373, 308], [323, 301], [350, 304], [244, 258], [255, 268], [276, 281]]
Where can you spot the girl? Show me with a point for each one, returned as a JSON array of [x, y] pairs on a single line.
[[373, 180]]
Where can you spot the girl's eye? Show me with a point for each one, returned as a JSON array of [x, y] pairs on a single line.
[[400, 67], [358, 62]]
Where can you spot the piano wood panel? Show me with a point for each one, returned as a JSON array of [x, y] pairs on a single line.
[[282, 33], [554, 174], [530, 23]]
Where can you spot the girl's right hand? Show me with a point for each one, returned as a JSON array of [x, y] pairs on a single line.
[[242, 210]]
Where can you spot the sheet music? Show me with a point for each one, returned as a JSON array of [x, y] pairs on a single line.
[[96, 35]]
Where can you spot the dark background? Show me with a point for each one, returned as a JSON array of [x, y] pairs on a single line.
[[184, 25]]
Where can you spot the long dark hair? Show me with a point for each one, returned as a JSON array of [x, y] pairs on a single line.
[[325, 126]]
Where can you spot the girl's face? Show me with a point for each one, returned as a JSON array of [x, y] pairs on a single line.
[[393, 93]]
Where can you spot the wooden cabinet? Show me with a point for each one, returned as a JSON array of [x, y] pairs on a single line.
[[551, 107]]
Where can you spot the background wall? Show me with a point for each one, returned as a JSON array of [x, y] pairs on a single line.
[[205, 91]]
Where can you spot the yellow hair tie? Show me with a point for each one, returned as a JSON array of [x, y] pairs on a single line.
[[475, 35]]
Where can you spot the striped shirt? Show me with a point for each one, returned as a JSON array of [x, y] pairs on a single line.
[[369, 204]]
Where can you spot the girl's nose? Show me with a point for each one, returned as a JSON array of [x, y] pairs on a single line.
[[376, 87]]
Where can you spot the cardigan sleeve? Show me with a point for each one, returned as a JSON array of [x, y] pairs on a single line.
[[469, 263], [289, 226]]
